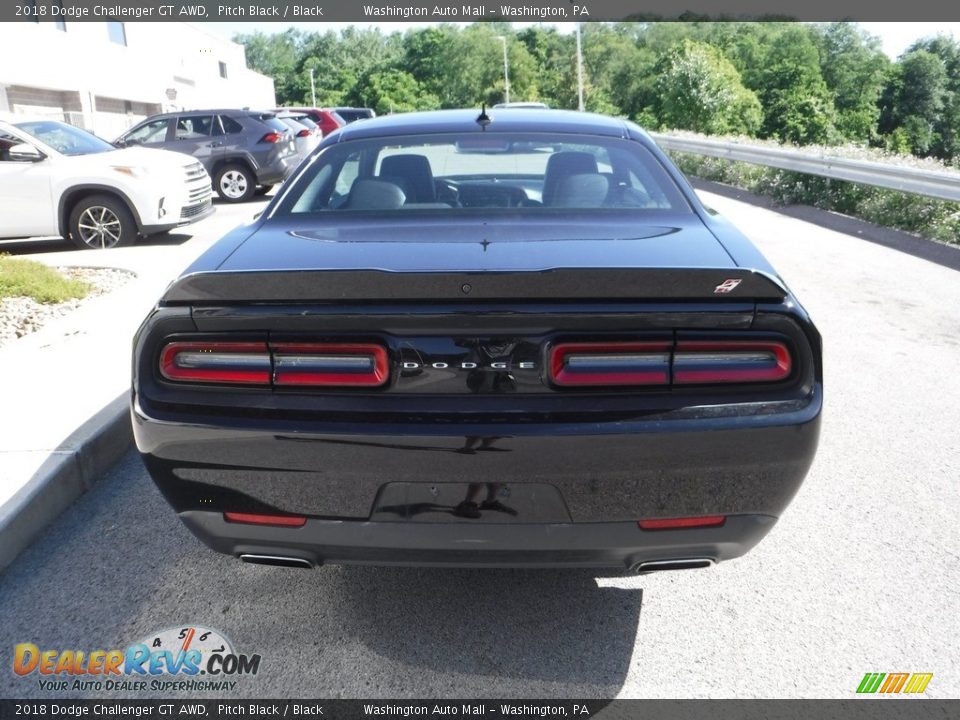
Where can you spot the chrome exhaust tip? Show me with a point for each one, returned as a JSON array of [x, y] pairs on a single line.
[[641, 568], [276, 560]]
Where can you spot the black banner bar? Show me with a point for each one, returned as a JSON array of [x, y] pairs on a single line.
[[291, 11]]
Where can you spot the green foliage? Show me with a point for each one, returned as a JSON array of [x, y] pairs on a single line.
[[28, 278], [793, 82], [699, 89]]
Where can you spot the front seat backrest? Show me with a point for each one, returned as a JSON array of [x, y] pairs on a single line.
[[564, 164], [583, 190], [413, 174]]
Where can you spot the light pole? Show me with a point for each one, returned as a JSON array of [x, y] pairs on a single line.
[[579, 72], [506, 69], [313, 90]]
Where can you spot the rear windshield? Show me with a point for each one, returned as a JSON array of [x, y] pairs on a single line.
[[513, 172], [272, 122]]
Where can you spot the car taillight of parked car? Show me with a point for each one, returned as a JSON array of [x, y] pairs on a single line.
[[272, 137]]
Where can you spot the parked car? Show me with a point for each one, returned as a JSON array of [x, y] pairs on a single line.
[[508, 340], [56, 179], [352, 114], [328, 120], [246, 152], [304, 138]]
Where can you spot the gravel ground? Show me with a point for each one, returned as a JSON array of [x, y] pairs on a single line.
[[20, 316]]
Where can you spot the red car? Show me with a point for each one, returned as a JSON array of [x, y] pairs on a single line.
[[328, 120]]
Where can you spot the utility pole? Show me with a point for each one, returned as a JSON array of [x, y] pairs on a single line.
[[579, 72], [313, 90], [506, 69]]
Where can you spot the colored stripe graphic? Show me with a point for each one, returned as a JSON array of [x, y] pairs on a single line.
[[894, 683], [870, 682], [918, 682]]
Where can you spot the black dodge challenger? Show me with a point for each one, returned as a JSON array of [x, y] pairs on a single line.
[[508, 339]]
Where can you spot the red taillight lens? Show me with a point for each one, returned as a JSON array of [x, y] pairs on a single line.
[[303, 133], [730, 361], [626, 363], [271, 137], [275, 520], [330, 364], [685, 522], [217, 362]]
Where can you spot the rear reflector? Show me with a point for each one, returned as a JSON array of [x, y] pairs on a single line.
[[730, 361], [330, 364], [626, 363], [219, 362], [678, 523], [276, 520]]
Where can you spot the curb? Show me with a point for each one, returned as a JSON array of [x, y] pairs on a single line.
[[70, 471]]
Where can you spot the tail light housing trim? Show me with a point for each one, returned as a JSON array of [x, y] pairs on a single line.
[[246, 363], [731, 361], [617, 363], [330, 364]]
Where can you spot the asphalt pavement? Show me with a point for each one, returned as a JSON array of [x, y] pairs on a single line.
[[860, 575]]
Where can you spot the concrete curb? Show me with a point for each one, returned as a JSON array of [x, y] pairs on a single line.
[[70, 471]]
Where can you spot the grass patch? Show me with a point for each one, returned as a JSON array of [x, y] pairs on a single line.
[[28, 278]]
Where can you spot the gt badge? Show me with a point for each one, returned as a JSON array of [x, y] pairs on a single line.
[[726, 286]]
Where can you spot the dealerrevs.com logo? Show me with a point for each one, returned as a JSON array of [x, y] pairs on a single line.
[[191, 658]]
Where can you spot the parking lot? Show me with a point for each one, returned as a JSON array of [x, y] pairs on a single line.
[[860, 575]]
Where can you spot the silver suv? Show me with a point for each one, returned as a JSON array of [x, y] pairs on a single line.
[[246, 152]]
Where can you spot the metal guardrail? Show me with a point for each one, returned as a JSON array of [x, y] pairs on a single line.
[[943, 185]]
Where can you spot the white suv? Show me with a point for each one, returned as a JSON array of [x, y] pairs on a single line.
[[56, 179]]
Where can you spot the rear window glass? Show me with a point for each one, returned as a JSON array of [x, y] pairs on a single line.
[[497, 171], [272, 122]]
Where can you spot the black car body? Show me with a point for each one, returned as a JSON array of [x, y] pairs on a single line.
[[240, 149], [522, 341]]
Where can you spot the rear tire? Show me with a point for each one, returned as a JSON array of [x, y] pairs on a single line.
[[234, 183], [102, 221], [263, 189]]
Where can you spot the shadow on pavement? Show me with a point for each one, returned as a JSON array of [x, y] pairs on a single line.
[[118, 565]]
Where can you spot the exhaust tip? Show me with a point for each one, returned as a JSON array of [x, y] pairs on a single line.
[[276, 560], [641, 568]]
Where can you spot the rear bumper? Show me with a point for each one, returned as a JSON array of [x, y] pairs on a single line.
[[617, 545], [278, 170], [388, 494]]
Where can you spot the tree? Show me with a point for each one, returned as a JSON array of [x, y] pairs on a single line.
[[388, 91], [854, 68], [699, 89], [914, 100], [797, 104]]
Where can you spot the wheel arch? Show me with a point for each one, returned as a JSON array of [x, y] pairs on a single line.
[[76, 193]]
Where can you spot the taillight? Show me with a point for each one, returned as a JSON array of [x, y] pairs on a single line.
[[271, 137], [303, 133], [217, 362], [682, 523], [330, 364], [279, 364], [730, 361], [256, 519], [626, 363]]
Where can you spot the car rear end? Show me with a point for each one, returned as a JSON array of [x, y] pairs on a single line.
[[480, 386], [272, 146]]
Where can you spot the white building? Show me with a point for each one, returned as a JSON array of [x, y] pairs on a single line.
[[106, 76]]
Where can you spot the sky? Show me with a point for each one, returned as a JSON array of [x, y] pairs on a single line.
[[896, 36]]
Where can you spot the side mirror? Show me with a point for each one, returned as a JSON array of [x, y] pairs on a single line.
[[25, 152]]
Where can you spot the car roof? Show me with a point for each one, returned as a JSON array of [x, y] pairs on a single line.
[[501, 120], [219, 111]]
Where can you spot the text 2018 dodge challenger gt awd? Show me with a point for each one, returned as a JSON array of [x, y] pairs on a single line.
[[516, 339]]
